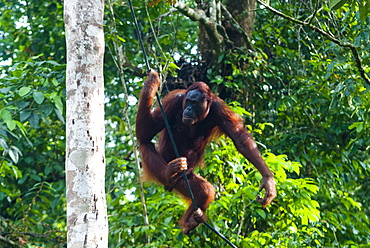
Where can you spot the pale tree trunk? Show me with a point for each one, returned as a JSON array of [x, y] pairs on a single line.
[[87, 223]]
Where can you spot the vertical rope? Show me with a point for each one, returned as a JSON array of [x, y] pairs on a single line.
[[138, 33], [169, 128]]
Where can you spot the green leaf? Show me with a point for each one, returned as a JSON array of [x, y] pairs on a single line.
[[55, 82], [5, 90], [329, 70], [14, 153], [3, 144], [58, 103], [34, 120], [6, 115], [358, 125], [221, 57], [47, 170], [24, 91], [364, 11], [10, 124], [60, 116], [336, 4], [173, 66], [35, 177], [120, 38], [23, 179], [24, 115], [47, 109], [261, 213], [38, 97]]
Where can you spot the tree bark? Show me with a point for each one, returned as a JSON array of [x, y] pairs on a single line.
[[243, 11], [87, 224], [221, 27]]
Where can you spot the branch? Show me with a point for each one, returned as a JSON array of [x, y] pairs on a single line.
[[237, 27], [159, 18], [317, 9], [327, 35], [135, 70], [209, 25], [8, 242]]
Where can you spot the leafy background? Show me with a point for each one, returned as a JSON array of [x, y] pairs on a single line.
[[302, 97]]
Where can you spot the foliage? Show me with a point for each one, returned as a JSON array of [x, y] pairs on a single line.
[[234, 212], [321, 106], [308, 108], [31, 167]]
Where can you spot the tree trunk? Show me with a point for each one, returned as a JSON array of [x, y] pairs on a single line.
[[87, 224], [222, 27], [243, 11]]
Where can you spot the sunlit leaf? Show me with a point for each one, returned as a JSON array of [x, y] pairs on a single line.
[[11, 124], [24, 91], [38, 97]]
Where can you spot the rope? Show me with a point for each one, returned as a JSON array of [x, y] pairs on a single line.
[[169, 128]]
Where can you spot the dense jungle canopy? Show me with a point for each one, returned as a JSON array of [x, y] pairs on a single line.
[[297, 71]]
